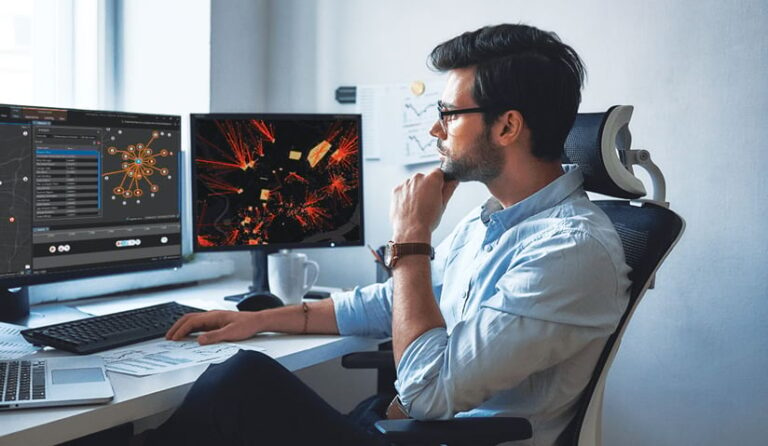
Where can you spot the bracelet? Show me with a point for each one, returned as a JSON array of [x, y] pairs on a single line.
[[305, 307]]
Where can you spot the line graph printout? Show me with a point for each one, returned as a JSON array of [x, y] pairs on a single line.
[[419, 115], [165, 356], [396, 121]]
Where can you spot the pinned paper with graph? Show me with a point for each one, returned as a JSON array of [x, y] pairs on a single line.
[[397, 119]]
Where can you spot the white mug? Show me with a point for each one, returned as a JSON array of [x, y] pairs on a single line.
[[291, 275]]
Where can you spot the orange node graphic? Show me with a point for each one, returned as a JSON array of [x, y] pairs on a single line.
[[264, 196], [265, 129], [318, 152], [293, 176], [338, 189], [138, 163], [344, 156], [238, 141]]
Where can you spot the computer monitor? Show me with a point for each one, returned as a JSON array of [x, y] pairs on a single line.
[[85, 193], [266, 182]]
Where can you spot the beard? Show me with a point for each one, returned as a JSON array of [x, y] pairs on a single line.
[[482, 161]]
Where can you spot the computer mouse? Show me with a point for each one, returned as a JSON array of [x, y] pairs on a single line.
[[259, 301]]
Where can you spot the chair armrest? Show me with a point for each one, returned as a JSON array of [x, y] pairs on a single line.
[[369, 360], [457, 431]]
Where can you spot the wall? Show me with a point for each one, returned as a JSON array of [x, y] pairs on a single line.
[[690, 370]]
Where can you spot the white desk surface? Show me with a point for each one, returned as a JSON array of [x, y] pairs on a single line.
[[139, 397]]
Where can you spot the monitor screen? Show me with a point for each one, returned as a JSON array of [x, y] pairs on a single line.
[[281, 180], [86, 192]]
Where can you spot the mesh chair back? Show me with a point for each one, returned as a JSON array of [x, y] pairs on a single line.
[[648, 233]]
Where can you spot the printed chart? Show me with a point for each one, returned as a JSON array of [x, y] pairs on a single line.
[[166, 356]]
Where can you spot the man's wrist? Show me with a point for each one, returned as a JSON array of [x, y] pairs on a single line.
[[257, 320], [412, 236]]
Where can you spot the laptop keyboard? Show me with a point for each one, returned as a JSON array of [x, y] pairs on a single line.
[[22, 380]]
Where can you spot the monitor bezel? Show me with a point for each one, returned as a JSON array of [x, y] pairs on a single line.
[[23, 280], [272, 247]]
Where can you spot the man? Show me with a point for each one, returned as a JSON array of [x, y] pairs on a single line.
[[510, 316]]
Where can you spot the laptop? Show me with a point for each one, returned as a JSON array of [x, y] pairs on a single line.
[[44, 382]]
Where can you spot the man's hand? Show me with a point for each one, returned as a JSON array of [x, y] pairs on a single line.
[[219, 325], [418, 205]]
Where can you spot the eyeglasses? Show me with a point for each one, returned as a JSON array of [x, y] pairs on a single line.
[[443, 112]]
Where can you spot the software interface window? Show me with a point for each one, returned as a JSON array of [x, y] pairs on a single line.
[[290, 180], [83, 190]]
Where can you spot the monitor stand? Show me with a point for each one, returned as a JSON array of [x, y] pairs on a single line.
[[14, 304], [260, 283]]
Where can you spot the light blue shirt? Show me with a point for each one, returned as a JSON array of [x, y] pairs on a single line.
[[528, 299]]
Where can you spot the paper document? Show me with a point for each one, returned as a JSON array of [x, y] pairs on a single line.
[[164, 356], [12, 344]]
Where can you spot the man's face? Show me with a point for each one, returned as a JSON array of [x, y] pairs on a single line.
[[464, 141]]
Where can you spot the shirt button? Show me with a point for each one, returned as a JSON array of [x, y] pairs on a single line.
[[488, 248]]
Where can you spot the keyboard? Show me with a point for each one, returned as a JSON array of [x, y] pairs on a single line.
[[99, 333], [22, 380]]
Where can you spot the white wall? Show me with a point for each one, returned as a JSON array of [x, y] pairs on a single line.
[[692, 366], [162, 65]]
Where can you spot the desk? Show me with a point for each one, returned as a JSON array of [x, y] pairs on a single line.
[[137, 398]]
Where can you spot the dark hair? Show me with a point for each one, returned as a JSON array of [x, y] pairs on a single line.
[[522, 68]]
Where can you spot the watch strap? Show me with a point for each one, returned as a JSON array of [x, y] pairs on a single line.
[[407, 249]]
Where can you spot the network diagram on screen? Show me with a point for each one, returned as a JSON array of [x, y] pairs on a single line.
[[263, 180]]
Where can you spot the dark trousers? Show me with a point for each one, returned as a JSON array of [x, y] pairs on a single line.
[[250, 399]]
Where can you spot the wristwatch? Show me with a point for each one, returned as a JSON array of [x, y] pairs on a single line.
[[394, 251]]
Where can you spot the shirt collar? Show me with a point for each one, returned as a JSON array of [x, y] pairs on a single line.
[[547, 197]]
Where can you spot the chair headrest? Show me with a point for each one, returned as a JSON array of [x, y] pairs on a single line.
[[595, 143]]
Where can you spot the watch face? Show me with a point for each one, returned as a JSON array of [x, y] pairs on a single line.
[[388, 255]]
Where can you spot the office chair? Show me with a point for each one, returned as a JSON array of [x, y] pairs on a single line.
[[600, 144]]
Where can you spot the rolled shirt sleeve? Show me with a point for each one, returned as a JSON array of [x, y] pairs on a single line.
[[365, 311]]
